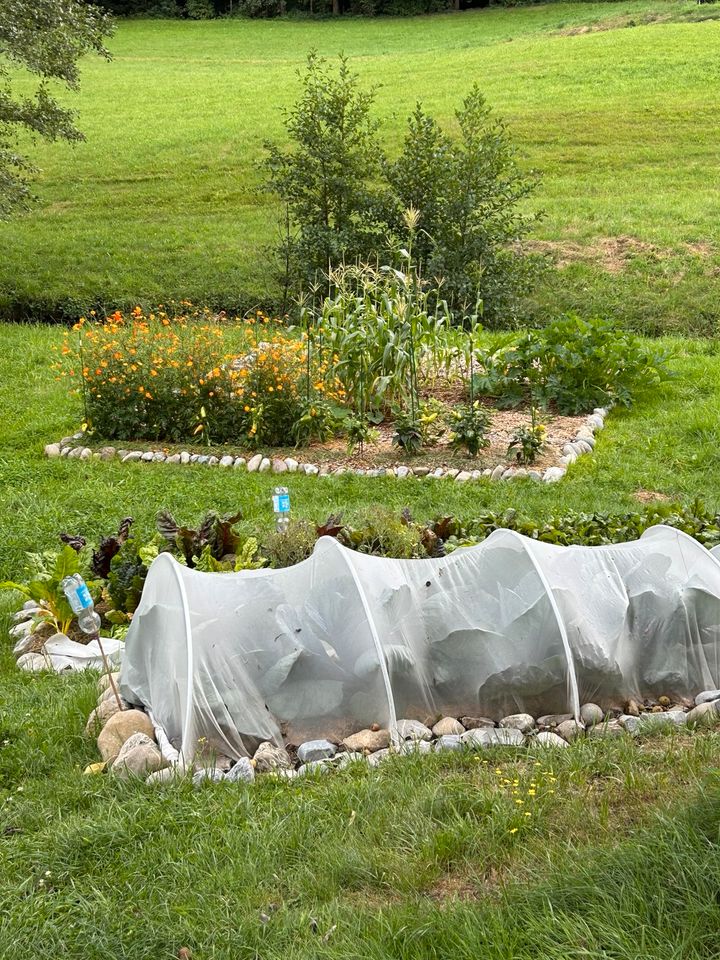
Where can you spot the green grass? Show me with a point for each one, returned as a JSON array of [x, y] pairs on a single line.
[[413, 860], [164, 199]]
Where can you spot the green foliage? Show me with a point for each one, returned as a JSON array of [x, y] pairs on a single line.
[[45, 572], [381, 326], [468, 193], [45, 38], [359, 432], [326, 177], [596, 529], [214, 532], [528, 441], [126, 579], [246, 558], [318, 419], [572, 365], [469, 427], [408, 432], [292, 546], [433, 418], [200, 9]]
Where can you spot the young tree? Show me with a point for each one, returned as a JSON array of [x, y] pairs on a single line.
[[468, 192], [44, 38], [327, 177]]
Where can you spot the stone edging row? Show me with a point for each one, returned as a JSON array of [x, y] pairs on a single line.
[[582, 443]]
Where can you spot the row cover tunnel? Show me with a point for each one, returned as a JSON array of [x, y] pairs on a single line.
[[344, 640]]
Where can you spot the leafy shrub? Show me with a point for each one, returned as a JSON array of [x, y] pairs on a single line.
[[572, 365]]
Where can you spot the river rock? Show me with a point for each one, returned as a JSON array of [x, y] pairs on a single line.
[[165, 775], [448, 726], [569, 730], [103, 683], [138, 756], [705, 714], [313, 750], [242, 772], [649, 722], [118, 730], [518, 721], [315, 766], [264, 465], [102, 713], [207, 775], [477, 723], [498, 737], [371, 740], [414, 746], [226, 461], [591, 714], [375, 759], [553, 719], [548, 739], [607, 730], [269, 757], [279, 466], [52, 450], [253, 464], [449, 741], [413, 730], [707, 696], [632, 709], [553, 474], [33, 662]]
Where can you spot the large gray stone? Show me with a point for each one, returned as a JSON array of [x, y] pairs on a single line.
[[413, 730], [648, 722], [449, 741], [253, 464], [138, 757], [498, 737], [52, 450], [591, 714], [242, 772], [570, 730], [607, 730], [33, 662], [313, 750], [518, 721], [448, 726], [707, 696]]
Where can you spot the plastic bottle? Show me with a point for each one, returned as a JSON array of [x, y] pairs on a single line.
[[81, 603], [281, 508]]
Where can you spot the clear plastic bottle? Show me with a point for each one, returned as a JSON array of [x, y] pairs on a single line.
[[81, 603], [281, 508]]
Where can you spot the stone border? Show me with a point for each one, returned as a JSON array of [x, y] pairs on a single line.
[[132, 744], [582, 443]]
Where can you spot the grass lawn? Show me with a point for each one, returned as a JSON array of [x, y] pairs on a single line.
[[420, 859], [164, 199]]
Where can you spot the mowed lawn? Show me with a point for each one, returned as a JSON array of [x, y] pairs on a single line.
[[165, 198]]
